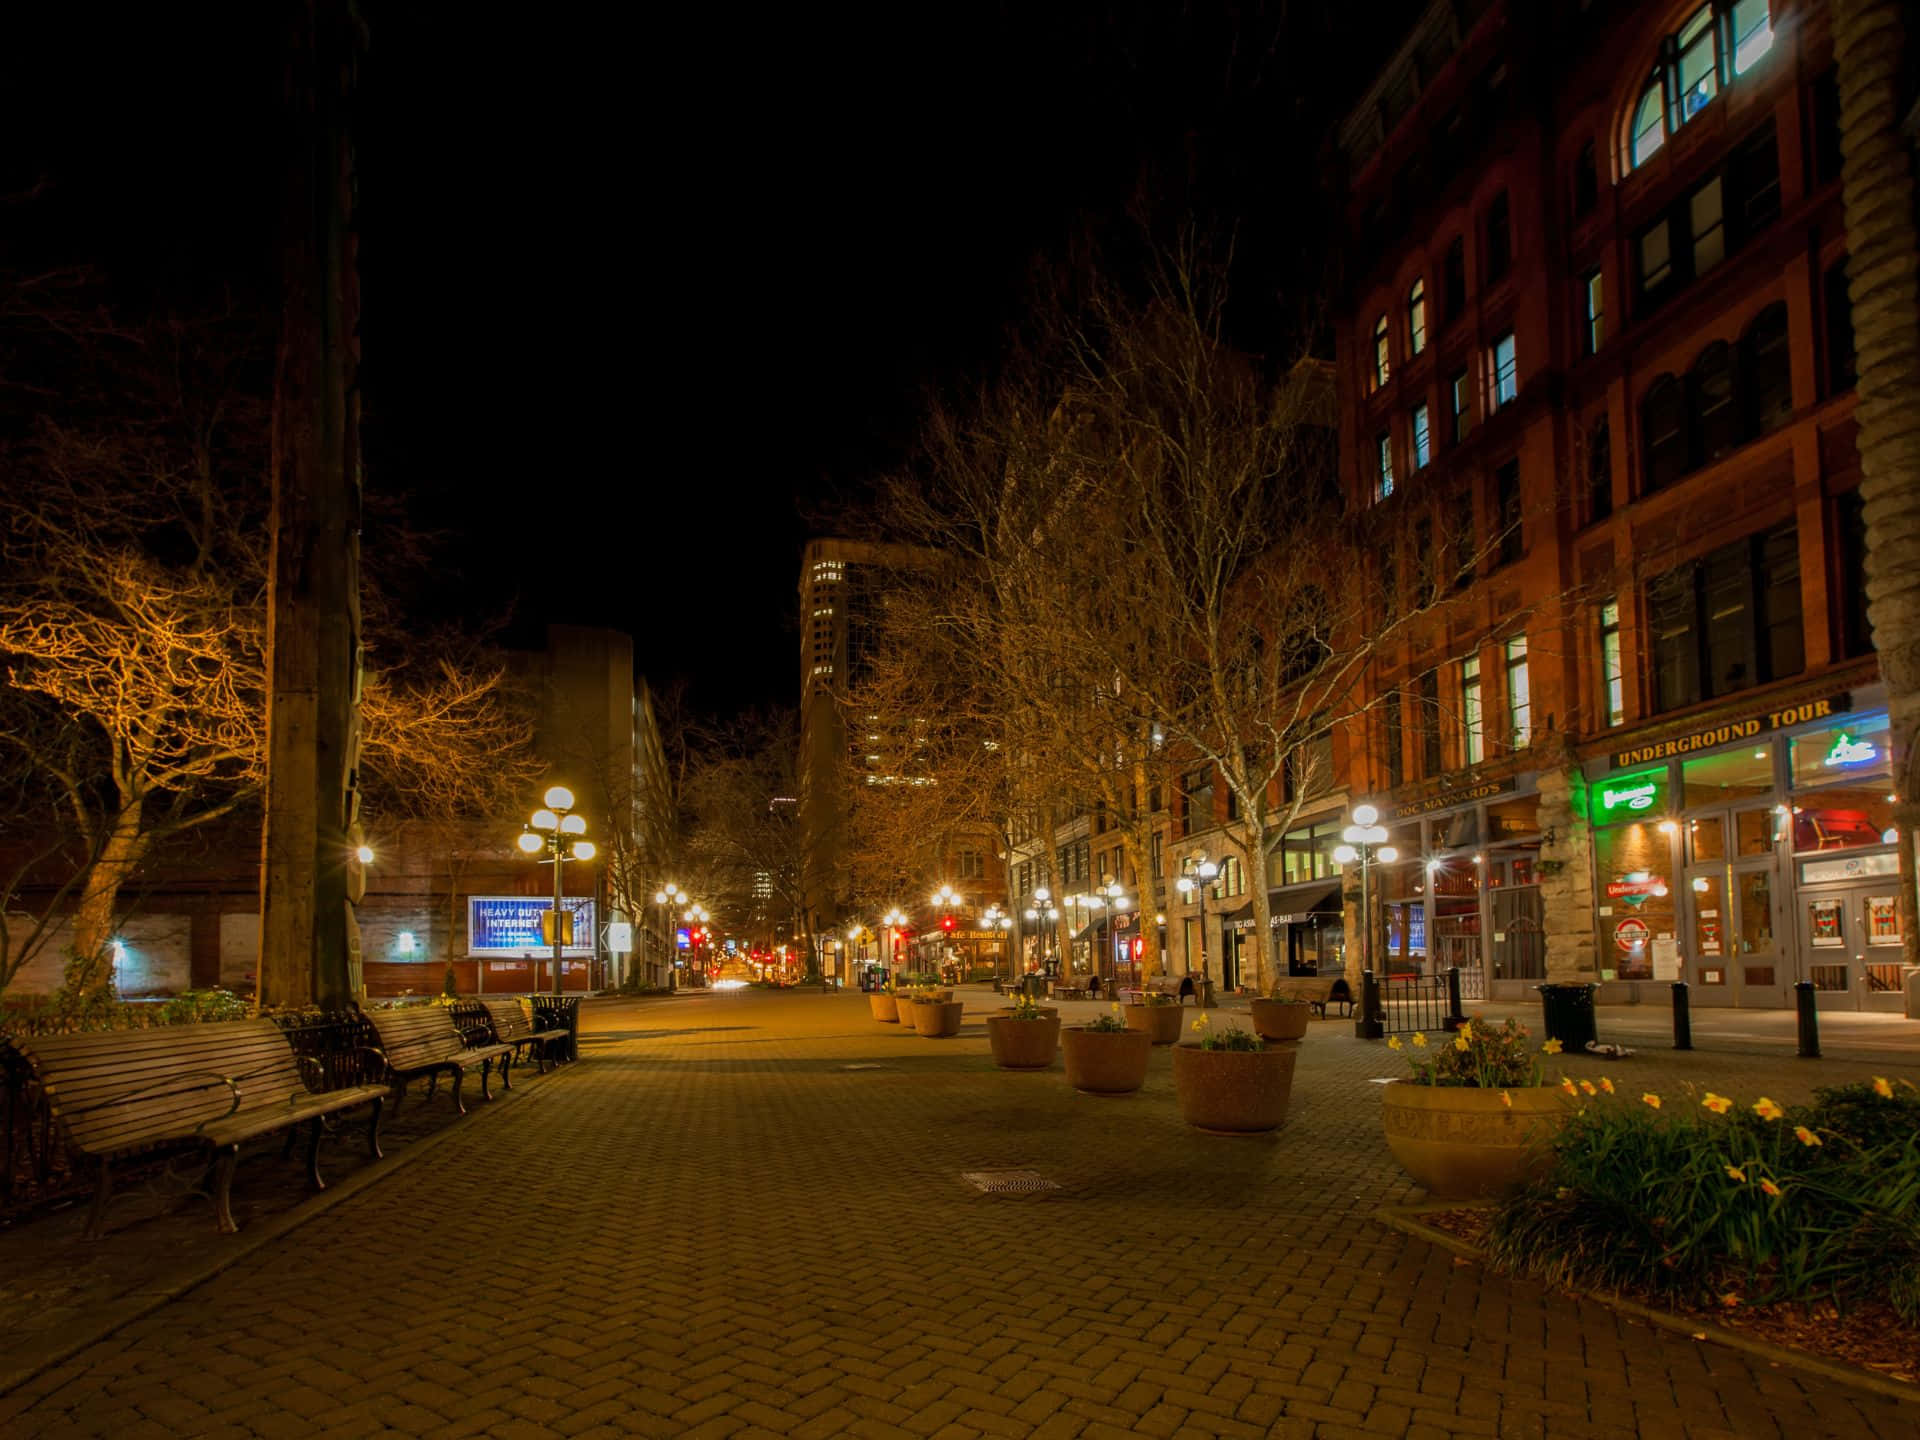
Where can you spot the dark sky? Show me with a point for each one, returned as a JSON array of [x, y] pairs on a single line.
[[646, 292]]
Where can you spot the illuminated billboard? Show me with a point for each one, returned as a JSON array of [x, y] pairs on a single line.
[[508, 926]]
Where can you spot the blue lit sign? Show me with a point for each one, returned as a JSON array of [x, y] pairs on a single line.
[[509, 925], [683, 939]]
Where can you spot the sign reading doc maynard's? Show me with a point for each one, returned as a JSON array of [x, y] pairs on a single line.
[[1732, 730]]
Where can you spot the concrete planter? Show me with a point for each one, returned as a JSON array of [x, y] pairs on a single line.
[[1024, 1044], [1461, 1142], [1280, 1019], [1234, 1092], [1106, 1063], [935, 1019], [884, 1007], [1162, 1022]]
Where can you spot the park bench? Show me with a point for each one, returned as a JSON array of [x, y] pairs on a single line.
[[1317, 991], [511, 1027], [422, 1040], [118, 1095], [1067, 987]]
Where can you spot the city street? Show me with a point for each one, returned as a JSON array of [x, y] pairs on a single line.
[[744, 1214]]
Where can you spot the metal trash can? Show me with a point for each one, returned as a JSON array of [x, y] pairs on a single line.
[[559, 1012], [1568, 1010]]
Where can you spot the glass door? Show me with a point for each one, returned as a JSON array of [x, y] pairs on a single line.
[[1851, 937], [1705, 946], [1762, 965]]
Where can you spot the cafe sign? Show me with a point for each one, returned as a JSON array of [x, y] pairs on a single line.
[[1735, 730], [1461, 795]]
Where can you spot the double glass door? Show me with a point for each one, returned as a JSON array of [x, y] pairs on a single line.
[[1850, 936], [1732, 943]]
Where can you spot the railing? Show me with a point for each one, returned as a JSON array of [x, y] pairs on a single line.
[[342, 1044], [1410, 1003]]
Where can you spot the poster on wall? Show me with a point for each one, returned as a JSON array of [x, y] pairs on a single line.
[[1666, 958], [1883, 920], [1707, 931], [510, 925], [1824, 924]]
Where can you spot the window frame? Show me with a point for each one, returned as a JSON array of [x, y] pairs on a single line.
[[1417, 317], [1613, 679], [1382, 365], [1707, 50], [1519, 696], [1383, 466], [1420, 427], [1503, 382], [1473, 718]]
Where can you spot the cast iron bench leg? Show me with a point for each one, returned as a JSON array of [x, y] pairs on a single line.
[[313, 1154], [399, 1094], [506, 1081], [222, 1189], [373, 1132], [433, 1084], [459, 1078]]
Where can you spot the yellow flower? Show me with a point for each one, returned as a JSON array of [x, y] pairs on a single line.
[[1805, 1136], [1419, 1040], [1882, 1088], [1200, 1024], [1460, 1041], [1393, 1042], [1568, 1086], [1734, 1172], [1719, 1104], [1606, 1084], [1587, 1085], [1552, 1047], [1766, 1109], [1650, 1099], [1771, 1188], [1506, 1099]]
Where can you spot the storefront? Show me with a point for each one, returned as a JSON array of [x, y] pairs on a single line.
[[1750, 855]]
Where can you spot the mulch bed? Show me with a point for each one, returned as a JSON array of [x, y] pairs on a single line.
[[1868, 1335]]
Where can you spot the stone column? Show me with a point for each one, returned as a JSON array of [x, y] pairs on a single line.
[[1566, 875]]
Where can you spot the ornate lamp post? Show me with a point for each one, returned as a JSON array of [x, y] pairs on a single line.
[[557, 831], [666, 897], [1366, 841], [893, 919], [1043, 909], [1189, 887]]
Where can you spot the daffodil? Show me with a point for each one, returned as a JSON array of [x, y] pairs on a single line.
[[1805, 1136], [1766, 1109], [1734, 1172], [1419, 1040], [1460, 1041], [1506, 1099], [1882, 1088], [1552, 1047], [1719, 1104], [1568, 1086], [1588, 1086], [1771, 1188], [1393, 1042], [1651, 1099], [1606, 1084]]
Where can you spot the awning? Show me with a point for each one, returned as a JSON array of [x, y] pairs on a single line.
[[1288, 904]]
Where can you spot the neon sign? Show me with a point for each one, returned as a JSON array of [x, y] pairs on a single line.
[[1637, 796], [1849, 751]]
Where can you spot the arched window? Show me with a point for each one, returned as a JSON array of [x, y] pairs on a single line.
[[1716, 421], [1717, 43], [1599, 471], [1382, 366], [1767, 365], [1417, 317], [1663, 433]]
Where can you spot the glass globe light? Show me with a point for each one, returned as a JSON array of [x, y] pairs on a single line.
[[364, 854], [545, 820], [1388, 854], [559, 798], [573, 825], [1345, 854], [530, 842], [584, 850], [1365, 814]]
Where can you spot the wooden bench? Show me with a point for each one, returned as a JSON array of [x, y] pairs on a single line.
[[121, 1094], [1317, 991], [511, 1027], [1066, 987], [422, 1040]]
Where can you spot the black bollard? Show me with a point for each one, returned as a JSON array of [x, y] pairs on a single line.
[[1809, 1020], [1370, 1025], [1682, 1017], [1456, 1010]]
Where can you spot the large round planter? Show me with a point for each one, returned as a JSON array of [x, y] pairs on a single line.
[[1104, 1062], [1280, 1019], [1023, 1044], [1162, 1022], [1234, 1092], [884, 1007], [937, 1018], [1460, 1142]]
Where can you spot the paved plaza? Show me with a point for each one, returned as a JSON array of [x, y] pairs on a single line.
[[744, 1215]]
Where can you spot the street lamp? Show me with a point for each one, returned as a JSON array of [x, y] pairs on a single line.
[[1116, 897], [1366, 841], [1189, 887], [893, 919], [557, 831], [1043, 909], [666, 897]]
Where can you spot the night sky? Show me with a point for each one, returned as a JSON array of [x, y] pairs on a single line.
[[647, 298]]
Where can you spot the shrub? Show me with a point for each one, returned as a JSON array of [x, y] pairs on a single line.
[[1501, 1058], [1718, 1203], [1231, 1038], [1026, 1007], [1112, 1023]]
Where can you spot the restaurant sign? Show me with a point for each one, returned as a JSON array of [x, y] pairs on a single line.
[[1459, 795], [1736, 730]]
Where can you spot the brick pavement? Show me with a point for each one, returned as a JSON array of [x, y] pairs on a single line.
[[715, 1227]]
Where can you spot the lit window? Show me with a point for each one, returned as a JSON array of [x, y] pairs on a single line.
[[1596, 312], [1699, 75], [1519, 694], [1649, 124], [1417, 317], [1752, 34], [1384, 478], [1422, 441], [1611, 676], [1472, 733], [1382, 367], [1506, 371], [1719, 42], [1462, 397]]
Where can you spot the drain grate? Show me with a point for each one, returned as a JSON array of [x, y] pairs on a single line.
[[1008, 1182]]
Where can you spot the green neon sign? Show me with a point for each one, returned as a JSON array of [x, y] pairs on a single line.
[[1629, 796]]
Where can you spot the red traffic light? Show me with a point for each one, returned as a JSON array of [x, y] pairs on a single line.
[[946, 922]]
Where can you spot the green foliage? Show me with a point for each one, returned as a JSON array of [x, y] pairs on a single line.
[[73, 1012], [1491, 1058], [1111, 1023], [1026, 1007], [1156, 997], [1722, 1204], [1231, 1038]]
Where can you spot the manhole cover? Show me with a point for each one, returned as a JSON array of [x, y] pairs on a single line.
[[1007, 1182]]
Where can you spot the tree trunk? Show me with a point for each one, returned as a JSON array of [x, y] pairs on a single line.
[[1151, 897], [1256, 864], [89, 970], [1877, 185]]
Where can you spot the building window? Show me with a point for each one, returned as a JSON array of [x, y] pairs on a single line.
[[1599, 471], [1383, 466], [1306, 854], [1716, 422], [1519, 695], [1417, 318], [1506, 371], [1586, 182], [973, 865], [1454, 278], [1506, 509], [1768, 367], [1390, 739], [1663, 433], [1472, 722], [1427, 689], [1718, 43], [1422, 439], [1656, 260], [1705, 212], [1382, 365], [1593, 305], [1231, 883], [1499, 251], [1197, 795], [1841, 369], [1613, 684], [1461, 396], [1727, 621]]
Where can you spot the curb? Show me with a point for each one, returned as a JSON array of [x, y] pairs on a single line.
[[62, 1343], [1404, 1218]]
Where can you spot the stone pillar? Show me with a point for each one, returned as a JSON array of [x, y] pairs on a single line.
[[1566, 875]]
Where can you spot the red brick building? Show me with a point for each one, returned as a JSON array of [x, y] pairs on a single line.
[[1595, 350]]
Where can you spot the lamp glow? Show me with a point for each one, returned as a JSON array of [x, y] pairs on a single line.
[[559, 798], [573, 825], [528, 842], [364, 854], [1345, 854], [1365, 815], [1388, 854], [545, 820], [584, 850]]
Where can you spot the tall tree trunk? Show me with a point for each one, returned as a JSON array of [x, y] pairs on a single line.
[[1883, 279], [89, 968]]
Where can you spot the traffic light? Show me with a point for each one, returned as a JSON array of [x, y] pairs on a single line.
[[946, 922]]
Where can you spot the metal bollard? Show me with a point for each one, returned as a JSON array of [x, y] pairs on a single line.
[[1809, 1020], [1370, 1025], [1456, 1009], [1682, 1017]]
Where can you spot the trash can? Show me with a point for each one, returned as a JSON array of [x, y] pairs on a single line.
[[1568, 1011], [559, 1012]]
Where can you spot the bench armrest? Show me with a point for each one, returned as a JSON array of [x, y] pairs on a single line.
[[233, 1093]]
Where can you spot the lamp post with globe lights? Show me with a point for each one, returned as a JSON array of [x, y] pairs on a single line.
[[1043, 909], [1193, 885], [1365, 840], [556, 830], [667, 897], [894, 920]]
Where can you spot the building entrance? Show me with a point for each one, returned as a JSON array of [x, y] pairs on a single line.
[[1850, 935], [1736, 948]]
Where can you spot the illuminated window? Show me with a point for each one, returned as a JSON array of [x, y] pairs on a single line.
[[1612, 679], [1519, 694], [1718, 43], [1472, 731], [1382, 365], [1506, 371], [1422, 439], [1593, 303], [1417, 317], [1383, 475]]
